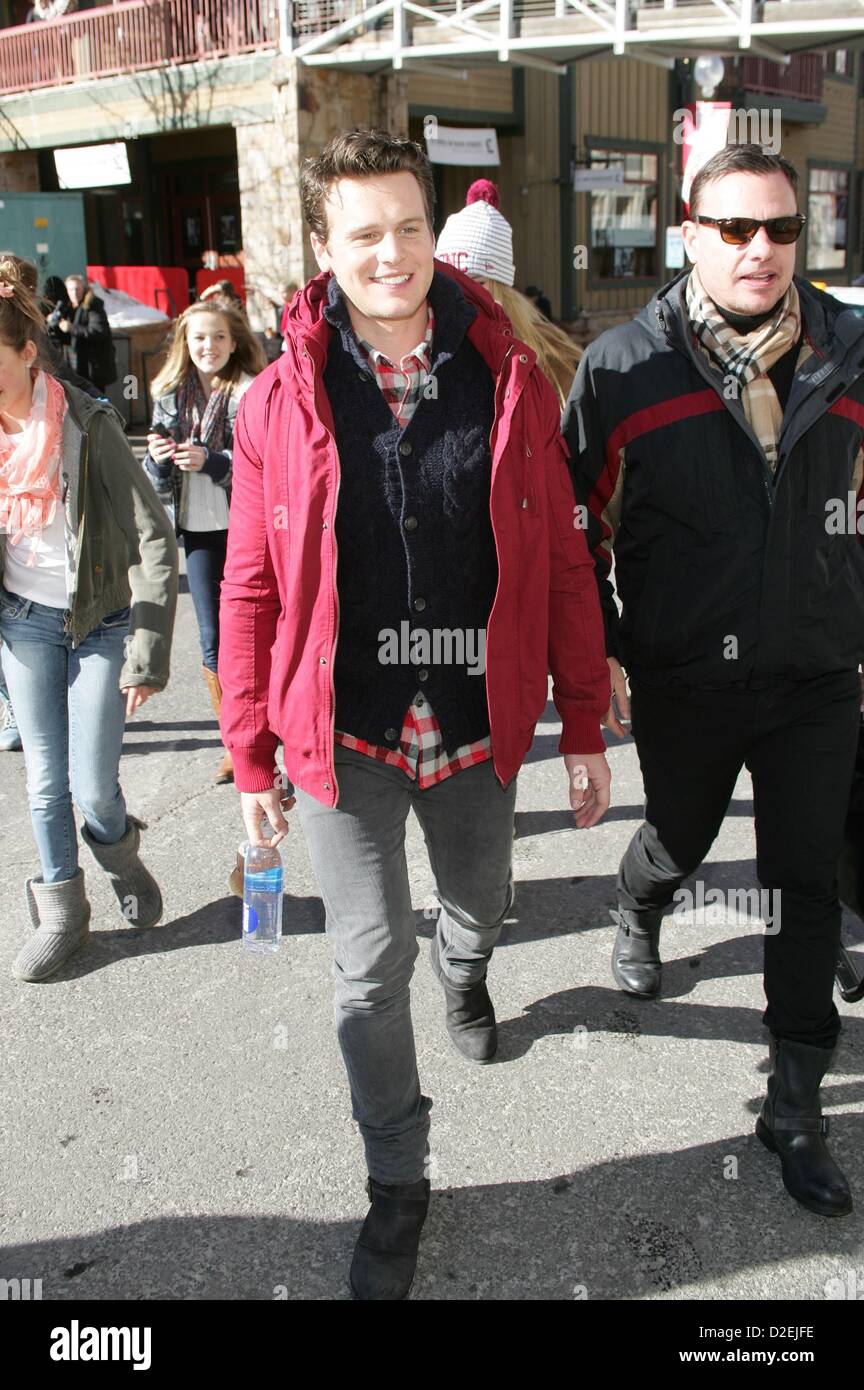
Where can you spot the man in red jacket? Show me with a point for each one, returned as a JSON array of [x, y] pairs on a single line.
[[403, 571]]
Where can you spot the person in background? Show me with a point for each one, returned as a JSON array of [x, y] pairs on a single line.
[[479, 241], [213, 358], [86, 335], [224, 290], [539, 300], [87, 602], [56, 306]]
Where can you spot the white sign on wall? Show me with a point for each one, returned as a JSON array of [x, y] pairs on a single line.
[[454, 145], [598, 180], [674, 249], [92, 166]]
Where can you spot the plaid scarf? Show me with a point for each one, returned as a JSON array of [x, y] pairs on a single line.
[[200, 419], [750, 357]]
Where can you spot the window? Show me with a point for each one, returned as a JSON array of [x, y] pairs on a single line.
[[624, 217], [827, 219], [838, 61]]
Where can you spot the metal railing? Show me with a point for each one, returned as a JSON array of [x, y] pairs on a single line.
[[131, 36], [802, 77]]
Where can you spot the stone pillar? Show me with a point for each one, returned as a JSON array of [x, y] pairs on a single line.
[[309, 106], [19, 172]]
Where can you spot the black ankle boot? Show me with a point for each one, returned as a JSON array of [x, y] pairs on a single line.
[[792, 1126], [470, 1015], [636, 963], [385, 1256]]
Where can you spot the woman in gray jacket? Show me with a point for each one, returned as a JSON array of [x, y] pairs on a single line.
[[213, 358], [89, 590]]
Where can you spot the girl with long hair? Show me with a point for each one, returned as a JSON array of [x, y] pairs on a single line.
[[213, 358], [479, 241], [87, 601]]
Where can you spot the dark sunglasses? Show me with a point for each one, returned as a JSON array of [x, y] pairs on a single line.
[[738, 231]]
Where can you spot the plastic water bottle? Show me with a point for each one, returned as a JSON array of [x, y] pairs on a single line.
[[262, 898]]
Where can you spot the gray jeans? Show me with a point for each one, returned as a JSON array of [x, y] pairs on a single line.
[[358, 854]]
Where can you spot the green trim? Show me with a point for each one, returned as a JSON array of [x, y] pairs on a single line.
[[513, 120], [822, 271], [565, 203], [612, 142], [185, 97], [462, 116], [796, 110]]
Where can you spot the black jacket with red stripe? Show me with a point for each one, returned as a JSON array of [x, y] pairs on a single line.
[[726, 572]]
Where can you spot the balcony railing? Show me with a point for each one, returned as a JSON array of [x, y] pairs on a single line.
[[132, 36], [801, 77]]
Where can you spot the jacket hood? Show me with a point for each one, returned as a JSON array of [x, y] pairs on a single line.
[[306, 326], [827, 320], [84, 408]]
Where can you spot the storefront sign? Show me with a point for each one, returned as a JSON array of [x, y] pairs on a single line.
[[454, 145], [92, 166], [598, 180]]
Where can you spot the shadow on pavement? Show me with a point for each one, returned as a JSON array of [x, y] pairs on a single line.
[[218, 922], [635, 1227]]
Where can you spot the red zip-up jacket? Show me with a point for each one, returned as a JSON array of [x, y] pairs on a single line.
[[279, 612]]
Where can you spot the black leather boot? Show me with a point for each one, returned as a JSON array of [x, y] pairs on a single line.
[[791, 1125], [470, 1015], [385, 1256], [636, 963]]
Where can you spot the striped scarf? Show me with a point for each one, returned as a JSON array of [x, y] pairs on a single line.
[[200, 419], [750, 357]]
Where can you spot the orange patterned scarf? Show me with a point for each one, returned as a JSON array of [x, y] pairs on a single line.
[[30, 466]]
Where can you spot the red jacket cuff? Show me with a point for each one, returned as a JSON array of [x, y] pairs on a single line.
[[254, 769], [582, 733]]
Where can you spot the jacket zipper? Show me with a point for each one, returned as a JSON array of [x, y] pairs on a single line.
[[332, 656], [68, 623]]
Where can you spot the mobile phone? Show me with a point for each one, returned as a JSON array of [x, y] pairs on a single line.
[[162, 430]]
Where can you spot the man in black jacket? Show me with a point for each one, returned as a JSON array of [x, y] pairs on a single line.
[[717, 445], [87, 334]]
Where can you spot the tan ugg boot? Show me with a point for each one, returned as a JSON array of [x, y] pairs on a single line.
[[225, 771]]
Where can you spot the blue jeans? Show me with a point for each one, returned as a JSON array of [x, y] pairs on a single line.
[[205, 565], [71, 717], [4, 693], [357, 850]]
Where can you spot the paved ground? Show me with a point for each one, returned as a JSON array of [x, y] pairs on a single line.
[[175, 1121]]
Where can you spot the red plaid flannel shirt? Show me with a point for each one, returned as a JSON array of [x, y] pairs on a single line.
[[420, 754]]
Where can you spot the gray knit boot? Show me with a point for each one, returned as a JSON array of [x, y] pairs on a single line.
[[60, 913], [134, 886]]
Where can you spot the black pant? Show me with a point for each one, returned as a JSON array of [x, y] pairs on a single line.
[[798, 740], [205, 565]]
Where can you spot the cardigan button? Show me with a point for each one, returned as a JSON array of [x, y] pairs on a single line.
[[410, 523], [523, 357], [423, 675], [326, 786], [405, 448], [323, 660], [391, 735], [419, 604]]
